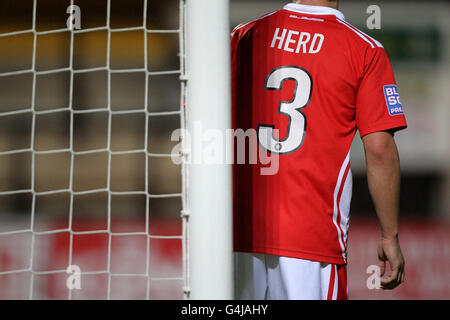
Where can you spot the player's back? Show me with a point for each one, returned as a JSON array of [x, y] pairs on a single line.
[[302, 79]]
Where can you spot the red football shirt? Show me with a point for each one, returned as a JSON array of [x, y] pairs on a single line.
[[316, 79]]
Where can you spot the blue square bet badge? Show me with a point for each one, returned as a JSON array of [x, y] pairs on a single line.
[[392, 100]]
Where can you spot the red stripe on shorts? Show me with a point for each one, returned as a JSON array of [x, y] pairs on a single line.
[[331, 284], [342, 283]]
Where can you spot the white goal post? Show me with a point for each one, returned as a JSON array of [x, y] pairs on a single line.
[[210, 185], [82, 161]]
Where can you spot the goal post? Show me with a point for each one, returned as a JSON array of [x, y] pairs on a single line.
[[210, 185], [92, 180]]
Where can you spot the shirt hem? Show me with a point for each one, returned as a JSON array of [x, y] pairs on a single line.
[[339, 260]]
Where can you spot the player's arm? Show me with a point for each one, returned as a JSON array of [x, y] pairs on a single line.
[[383, 176]]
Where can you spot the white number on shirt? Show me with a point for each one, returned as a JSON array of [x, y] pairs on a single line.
[[297, 120]]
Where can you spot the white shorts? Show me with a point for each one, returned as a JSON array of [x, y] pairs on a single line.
[[269, 277]]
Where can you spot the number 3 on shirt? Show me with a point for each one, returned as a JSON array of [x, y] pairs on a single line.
[[297, 120]]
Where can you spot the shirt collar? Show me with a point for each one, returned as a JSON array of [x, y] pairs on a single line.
[[319, 10]]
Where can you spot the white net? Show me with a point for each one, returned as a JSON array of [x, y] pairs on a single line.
[[86, 176]]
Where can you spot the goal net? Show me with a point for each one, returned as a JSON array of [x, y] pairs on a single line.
[[91, 204]]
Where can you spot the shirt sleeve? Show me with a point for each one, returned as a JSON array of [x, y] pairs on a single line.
[[378, 106]]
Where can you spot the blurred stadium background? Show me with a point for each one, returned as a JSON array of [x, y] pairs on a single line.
[[416, 35]]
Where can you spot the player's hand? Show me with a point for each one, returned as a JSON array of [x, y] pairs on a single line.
[[389, 251]]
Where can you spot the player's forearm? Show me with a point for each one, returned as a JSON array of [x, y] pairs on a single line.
[[383, 176]]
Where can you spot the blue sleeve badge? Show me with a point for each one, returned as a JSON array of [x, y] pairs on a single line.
[[392, 100]]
